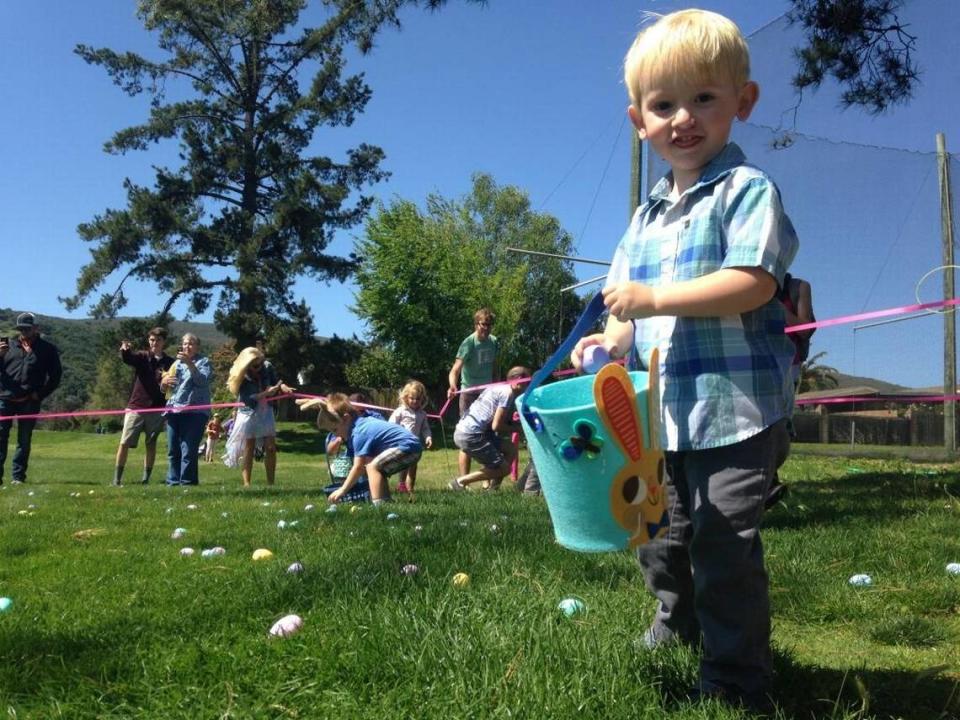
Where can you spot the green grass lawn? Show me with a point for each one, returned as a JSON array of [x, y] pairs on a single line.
[[114, 623]]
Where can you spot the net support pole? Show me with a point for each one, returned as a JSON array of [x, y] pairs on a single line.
[[949, 317]]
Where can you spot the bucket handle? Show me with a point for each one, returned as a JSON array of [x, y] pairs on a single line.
[[590, 315]]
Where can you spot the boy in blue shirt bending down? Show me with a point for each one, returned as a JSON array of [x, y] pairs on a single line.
[[379, 448], [696, 275]]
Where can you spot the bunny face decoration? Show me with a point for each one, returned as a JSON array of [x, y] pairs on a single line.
[[595, 441], [636, 494]]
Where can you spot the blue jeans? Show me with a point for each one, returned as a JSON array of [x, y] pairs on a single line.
[[184, 432], [24, 434]]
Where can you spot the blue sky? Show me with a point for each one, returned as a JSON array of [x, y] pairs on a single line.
[[530, 92]]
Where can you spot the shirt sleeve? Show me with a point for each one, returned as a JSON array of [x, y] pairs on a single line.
[[466, 347], [757, 230]]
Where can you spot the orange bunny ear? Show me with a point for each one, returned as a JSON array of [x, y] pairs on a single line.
[[617, 407], [653, 400]]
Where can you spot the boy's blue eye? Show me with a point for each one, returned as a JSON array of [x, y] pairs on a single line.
[[662, 106], [704, 97]]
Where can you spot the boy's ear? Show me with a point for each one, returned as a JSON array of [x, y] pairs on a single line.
[[637, 120], [749, 94]]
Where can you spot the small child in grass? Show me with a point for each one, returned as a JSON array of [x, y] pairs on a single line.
[[380, 448], [214, 433], [411, 415], [696, 275]]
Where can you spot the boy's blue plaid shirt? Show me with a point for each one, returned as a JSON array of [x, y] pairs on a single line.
[[723, 379]]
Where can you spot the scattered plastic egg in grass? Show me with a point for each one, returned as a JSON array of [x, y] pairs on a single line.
[[213, 552], [409, 570], [286, 626], [91, 493], [178, 533], [5, 604], [265, 504], [860, 580], [191, 507], [23, 513], [392, 516], [295, 568], [571, 606], [308, 508], [187, 551], [281, 525], [495, 528], [953, 568], [461, 580], [418, 528], [224, 514], [30, 493], [262, 554], [331, 509], [354, 508]]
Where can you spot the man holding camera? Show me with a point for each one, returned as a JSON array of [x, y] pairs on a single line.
[[29, 371], [149, 367]]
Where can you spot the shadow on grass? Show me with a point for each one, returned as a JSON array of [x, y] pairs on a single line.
[[300, 441], [802, 691], [875, 497], [805, 691]]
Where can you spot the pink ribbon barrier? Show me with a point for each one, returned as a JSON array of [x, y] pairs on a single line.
[[842, 320], [880, 398], [164, 409]]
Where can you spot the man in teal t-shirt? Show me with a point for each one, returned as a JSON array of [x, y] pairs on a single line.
[[476, 365]]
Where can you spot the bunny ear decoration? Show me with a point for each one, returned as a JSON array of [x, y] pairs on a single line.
[[617, 407]]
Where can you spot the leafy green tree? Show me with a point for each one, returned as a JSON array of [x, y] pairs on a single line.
[[862, 44], [423, 273], [249, 210]]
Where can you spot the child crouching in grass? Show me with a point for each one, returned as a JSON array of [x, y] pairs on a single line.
[[478, 432], [411, 415], [380, 448]]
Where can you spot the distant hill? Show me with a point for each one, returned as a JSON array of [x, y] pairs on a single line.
[[857, 381]]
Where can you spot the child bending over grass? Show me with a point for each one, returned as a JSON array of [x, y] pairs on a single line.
[[379, 448]]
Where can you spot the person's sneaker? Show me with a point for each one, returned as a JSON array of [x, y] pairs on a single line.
[[117, 483], [402, 487], [455, 485], [655, 637], [777, 492], [18, 482], [146, 481]]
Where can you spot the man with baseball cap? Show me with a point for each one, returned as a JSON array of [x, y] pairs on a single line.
[[29, 371]]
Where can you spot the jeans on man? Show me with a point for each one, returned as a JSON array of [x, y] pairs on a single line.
[[184, 432], [21, 457]]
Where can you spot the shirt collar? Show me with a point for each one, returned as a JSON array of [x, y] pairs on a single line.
[[725, 161]]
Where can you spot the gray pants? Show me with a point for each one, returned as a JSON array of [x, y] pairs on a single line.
[[707, 571]]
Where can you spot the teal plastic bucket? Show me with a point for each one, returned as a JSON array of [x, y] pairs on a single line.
[[579, 461]]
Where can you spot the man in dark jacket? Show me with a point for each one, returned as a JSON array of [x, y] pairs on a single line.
[[149, 366], [29, 371]]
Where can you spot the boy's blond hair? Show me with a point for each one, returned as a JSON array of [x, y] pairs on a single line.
[[336, 408], [689, 45], [414, 389]]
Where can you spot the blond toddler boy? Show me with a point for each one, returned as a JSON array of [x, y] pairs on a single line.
[[696, 275]]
